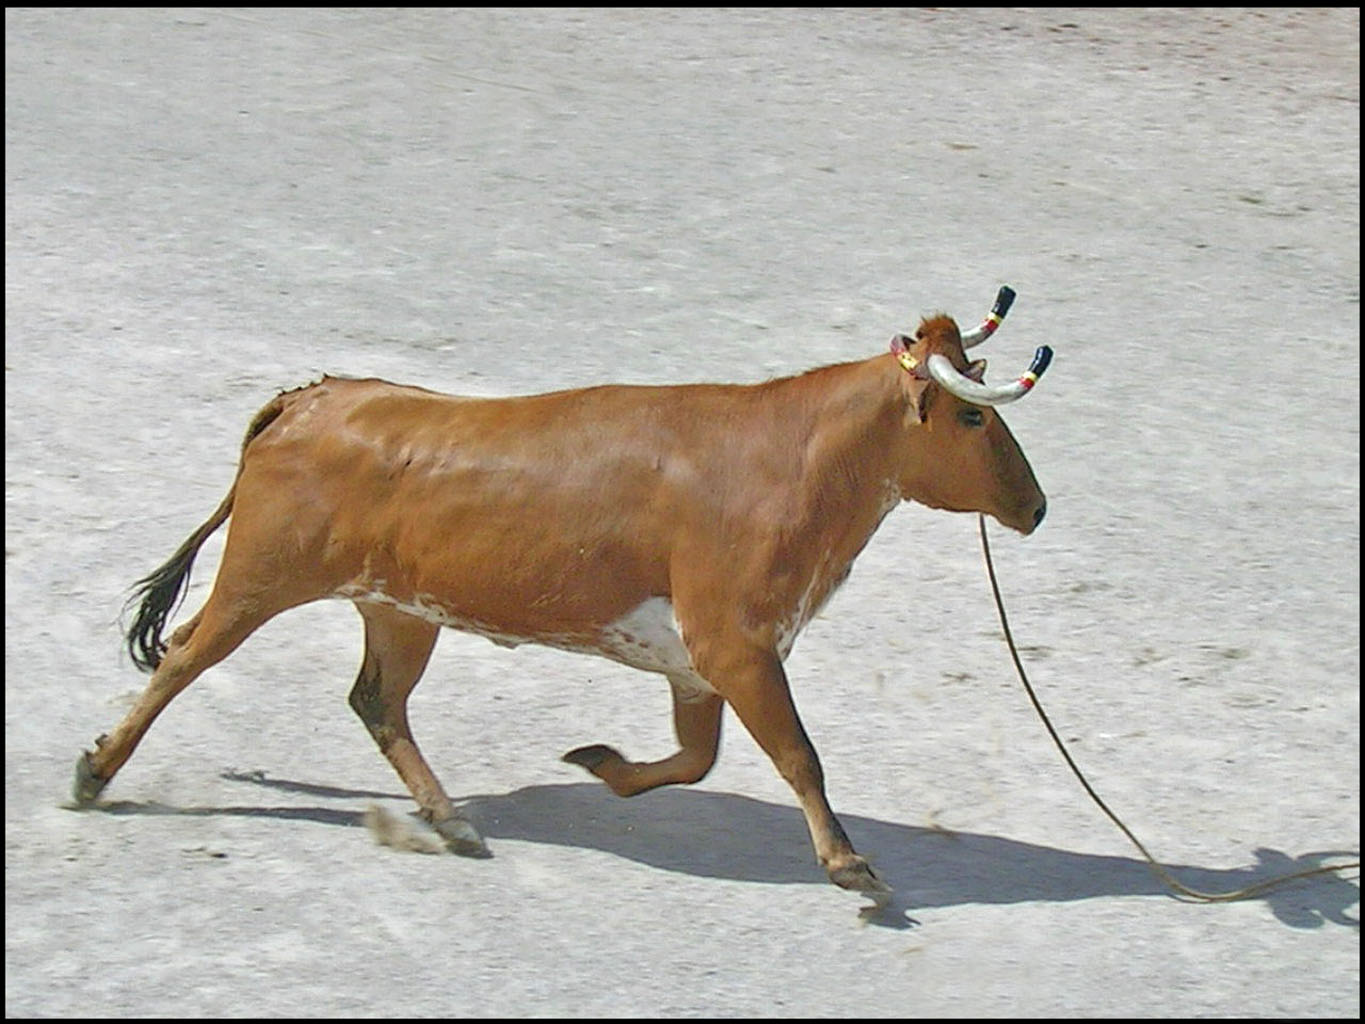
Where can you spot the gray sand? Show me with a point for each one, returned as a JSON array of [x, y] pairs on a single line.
[[204, 207]]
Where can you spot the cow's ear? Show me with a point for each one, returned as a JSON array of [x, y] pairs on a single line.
[[916, 387], [976, 370]]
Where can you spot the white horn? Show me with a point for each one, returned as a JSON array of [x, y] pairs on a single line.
[[946, 374], [1003, 300]]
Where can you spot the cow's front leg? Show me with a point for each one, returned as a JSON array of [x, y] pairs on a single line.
[[696, 720], [752, 680]]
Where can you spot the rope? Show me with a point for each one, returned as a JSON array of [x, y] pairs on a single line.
[[1246, 892]]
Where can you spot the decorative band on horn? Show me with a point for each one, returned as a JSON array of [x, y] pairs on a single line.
[[1041, 359], [1003, 300]]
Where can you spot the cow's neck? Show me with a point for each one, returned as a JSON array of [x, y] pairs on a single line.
[[851, 446], [848, 431]]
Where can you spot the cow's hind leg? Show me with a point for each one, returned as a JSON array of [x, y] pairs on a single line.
[[397, 649], [696, 720], [214, 633]]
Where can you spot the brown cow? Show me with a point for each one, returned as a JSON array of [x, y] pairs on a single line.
[[690, 530]]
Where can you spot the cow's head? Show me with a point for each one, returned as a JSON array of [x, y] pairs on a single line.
[[960, 455]]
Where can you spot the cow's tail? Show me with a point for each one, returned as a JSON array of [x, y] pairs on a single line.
[[158, 594]]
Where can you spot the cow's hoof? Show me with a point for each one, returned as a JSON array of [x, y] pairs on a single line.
[[461, 837], [858, 876], [88, 785], [592, 758]]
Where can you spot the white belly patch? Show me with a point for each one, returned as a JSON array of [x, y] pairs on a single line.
[[647, 637]]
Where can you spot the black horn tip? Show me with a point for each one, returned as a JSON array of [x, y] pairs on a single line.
[[1004, 299], [1041, 359]]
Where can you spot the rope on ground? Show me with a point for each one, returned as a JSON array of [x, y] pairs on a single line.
[[1246, 892]]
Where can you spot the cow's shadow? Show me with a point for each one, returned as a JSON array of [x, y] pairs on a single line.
[[721, 835]]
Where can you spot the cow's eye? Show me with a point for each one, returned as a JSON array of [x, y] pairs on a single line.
[[971, 417]]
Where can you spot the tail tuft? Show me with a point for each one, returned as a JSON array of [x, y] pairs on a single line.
[[157, 595]]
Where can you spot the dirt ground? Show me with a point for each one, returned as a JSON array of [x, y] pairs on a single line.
[[206, 206]]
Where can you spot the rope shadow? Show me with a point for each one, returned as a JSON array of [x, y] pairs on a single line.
[[724, 835]]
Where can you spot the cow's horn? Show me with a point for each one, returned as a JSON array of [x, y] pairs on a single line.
[[947, 375], [1003, 300]]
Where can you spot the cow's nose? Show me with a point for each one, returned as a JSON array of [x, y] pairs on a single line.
[[1038, 516]]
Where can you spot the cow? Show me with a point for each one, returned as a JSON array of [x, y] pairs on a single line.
[[687, 530]]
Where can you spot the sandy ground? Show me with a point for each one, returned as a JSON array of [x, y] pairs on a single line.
[[205, 206]]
